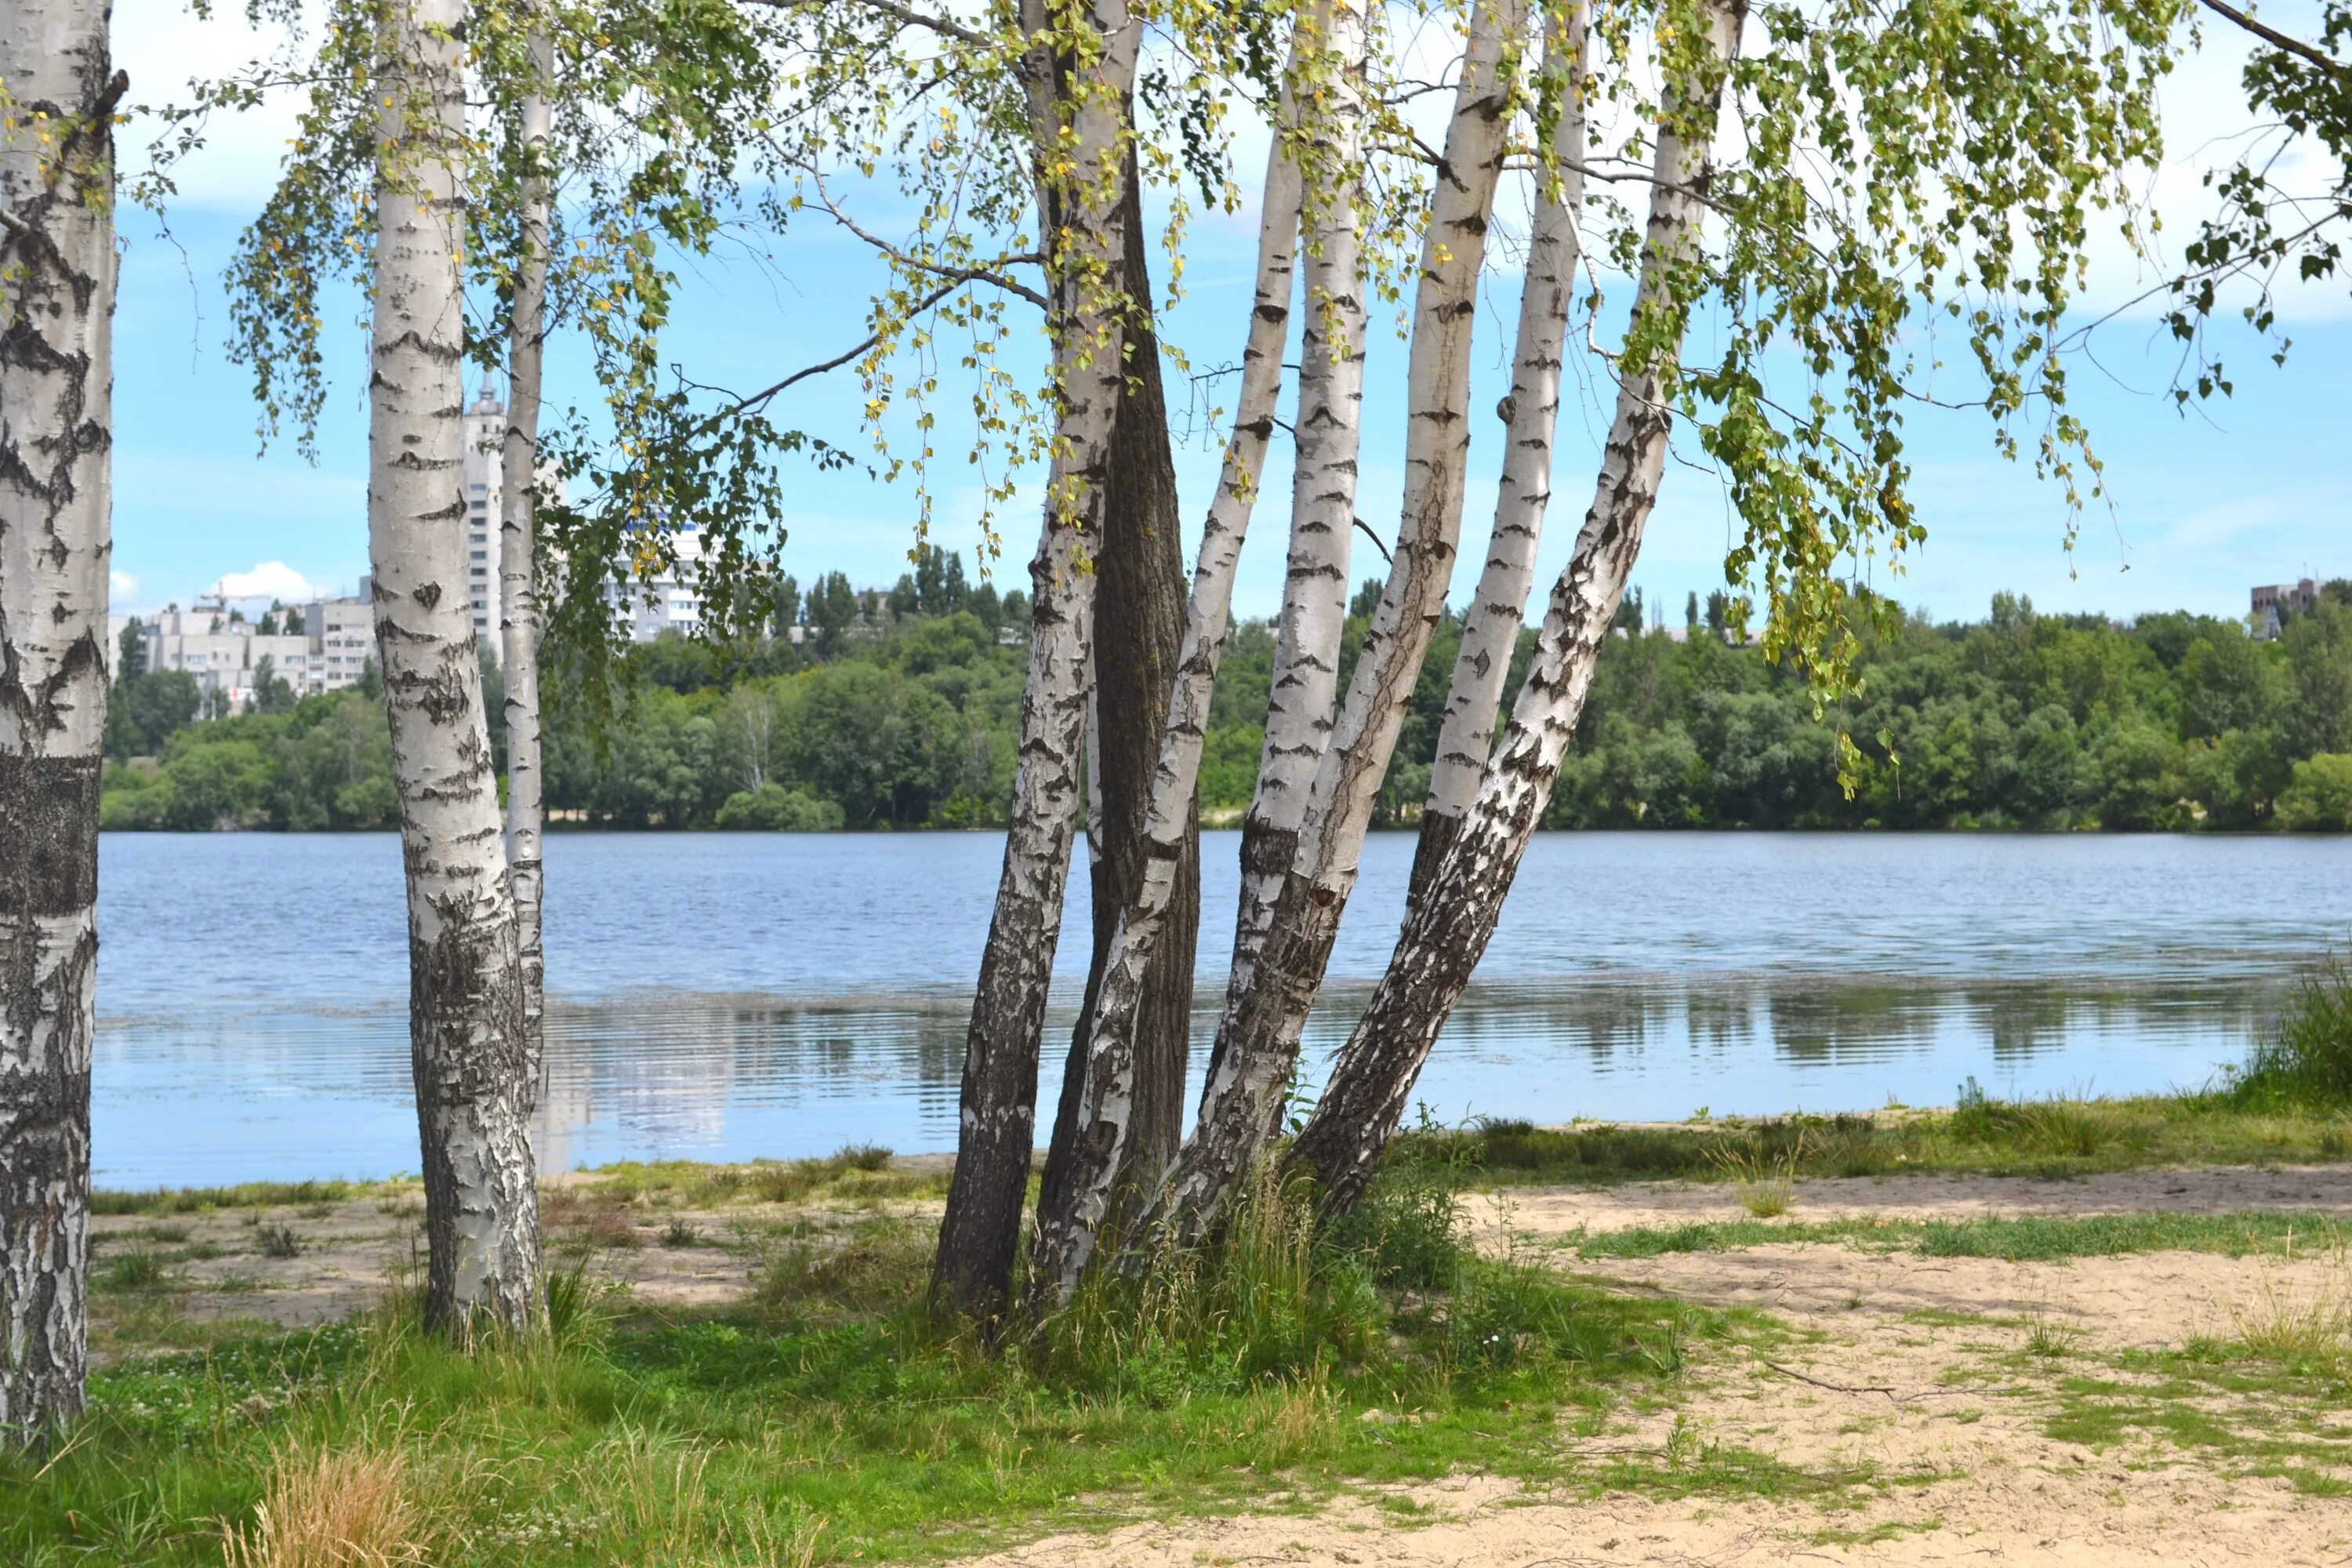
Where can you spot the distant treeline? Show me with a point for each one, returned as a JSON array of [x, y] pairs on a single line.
[[898, 710]]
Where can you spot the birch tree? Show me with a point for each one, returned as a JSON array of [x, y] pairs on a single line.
[[519, 473], [1139, 637], [1266, 1009], [1490, 631], [1078, 75], [59, 92], [1328, 432], [469, 1040], [1464, 876], [1071, 1216], [1940, 127]]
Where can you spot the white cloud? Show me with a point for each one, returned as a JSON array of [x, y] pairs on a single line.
[[122, 585], [167, 50], [270, 580]]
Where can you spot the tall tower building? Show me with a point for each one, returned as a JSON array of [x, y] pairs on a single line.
[[486, 429]]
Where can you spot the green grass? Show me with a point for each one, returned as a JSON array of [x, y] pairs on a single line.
[[2061, 1136], [2232, 1402], [247, 1195], [2029, 1239], [859, 1173], [2308, 1062], [825, 1420]]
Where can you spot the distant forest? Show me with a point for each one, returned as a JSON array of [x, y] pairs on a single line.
[[898, 710]]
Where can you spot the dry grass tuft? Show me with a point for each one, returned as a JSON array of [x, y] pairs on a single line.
[[2301, 1331], [1764, 1185], [331, 1510]]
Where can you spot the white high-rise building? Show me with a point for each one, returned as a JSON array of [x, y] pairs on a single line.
[[486, 429], [486, 434]]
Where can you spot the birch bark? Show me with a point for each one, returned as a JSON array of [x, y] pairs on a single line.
[[1266, 1010], [1078, 189], [1068, 1225], [1139, 636], [58, 273], [1328, 433], [1530, 413], [1447, 927], [518, 620], [467, 1038]]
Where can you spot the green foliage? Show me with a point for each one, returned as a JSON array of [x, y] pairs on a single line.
[[910, 724], [323, 762], [775, 809], [2022, 720], [2308, 1062], [2320, 798], [2280, 214], [145, 710]]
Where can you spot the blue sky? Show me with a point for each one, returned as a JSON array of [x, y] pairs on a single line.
[[2254, 489]]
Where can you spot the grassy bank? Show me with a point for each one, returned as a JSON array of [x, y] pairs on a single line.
[[2059, 1136], [820, 1419]]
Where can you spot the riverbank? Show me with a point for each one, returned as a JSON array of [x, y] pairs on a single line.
[[2144, 1364]]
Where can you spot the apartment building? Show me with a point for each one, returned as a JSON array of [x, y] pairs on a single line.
[[212, 641]]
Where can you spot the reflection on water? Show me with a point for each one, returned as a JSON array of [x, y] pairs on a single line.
[[733, 1078], [241, 1038]]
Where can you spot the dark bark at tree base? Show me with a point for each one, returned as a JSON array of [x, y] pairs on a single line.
[[1140, 605], [49, 971], [1439, 829]]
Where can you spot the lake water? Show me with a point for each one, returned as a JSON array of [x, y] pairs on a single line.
[[727, 996]]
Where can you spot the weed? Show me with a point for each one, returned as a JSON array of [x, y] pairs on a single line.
[[2308, 1062], [2066, 1126], [862, 1157], [278, 1241], [1765, 1184], [331, 1510], [2030, 1239], [574, 1307], [879, 1266], [681, 1233], [249, 1195], [133, 1272], [2302, 1332], [2048, 1338]]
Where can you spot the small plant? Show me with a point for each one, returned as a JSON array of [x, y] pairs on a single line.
[[575, 1306], [2302, 1332], [169, 1235], [878, 1265], [2066, 1125], [276, 1241], [2047, 1338], [681, 1233], [2308, 1062], [135, 1272], [862, 1157], [330, 1508], [1764, 1185]]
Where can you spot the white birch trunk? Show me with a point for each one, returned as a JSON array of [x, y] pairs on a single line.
[[1327, 435], [1448, 926], [466, 1030], [56, 311], [972, 1275], [1264, 1013], [1490, 631], [1066, 1239], [519, 618]]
